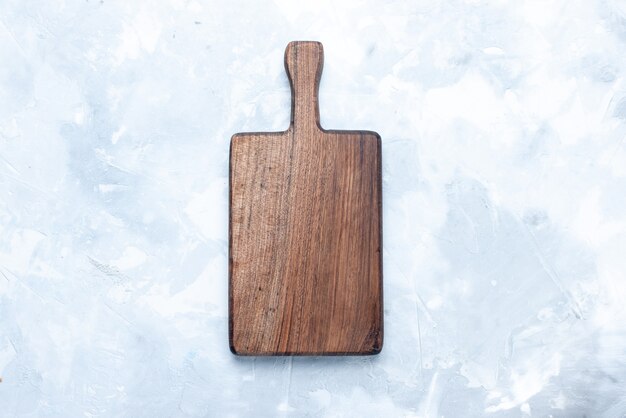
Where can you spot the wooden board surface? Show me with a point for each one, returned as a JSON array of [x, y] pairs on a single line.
[[305, 261]]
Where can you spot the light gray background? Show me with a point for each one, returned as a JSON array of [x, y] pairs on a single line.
[[503, 127]]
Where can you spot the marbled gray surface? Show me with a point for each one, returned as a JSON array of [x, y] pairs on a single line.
[[503, 127]]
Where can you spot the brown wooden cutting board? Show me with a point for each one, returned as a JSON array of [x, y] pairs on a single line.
[[305, 261]]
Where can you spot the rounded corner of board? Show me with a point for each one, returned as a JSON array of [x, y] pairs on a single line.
[[234, 350], [235, 137]]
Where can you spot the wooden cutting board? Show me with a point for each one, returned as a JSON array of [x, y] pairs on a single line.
[[305, 264]]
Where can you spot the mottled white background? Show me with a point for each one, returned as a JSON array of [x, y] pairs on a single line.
[[503, 127]]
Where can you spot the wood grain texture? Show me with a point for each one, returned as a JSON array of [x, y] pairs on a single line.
[[305, 261]]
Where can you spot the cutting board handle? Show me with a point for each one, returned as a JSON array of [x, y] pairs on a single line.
[[303, 62]]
